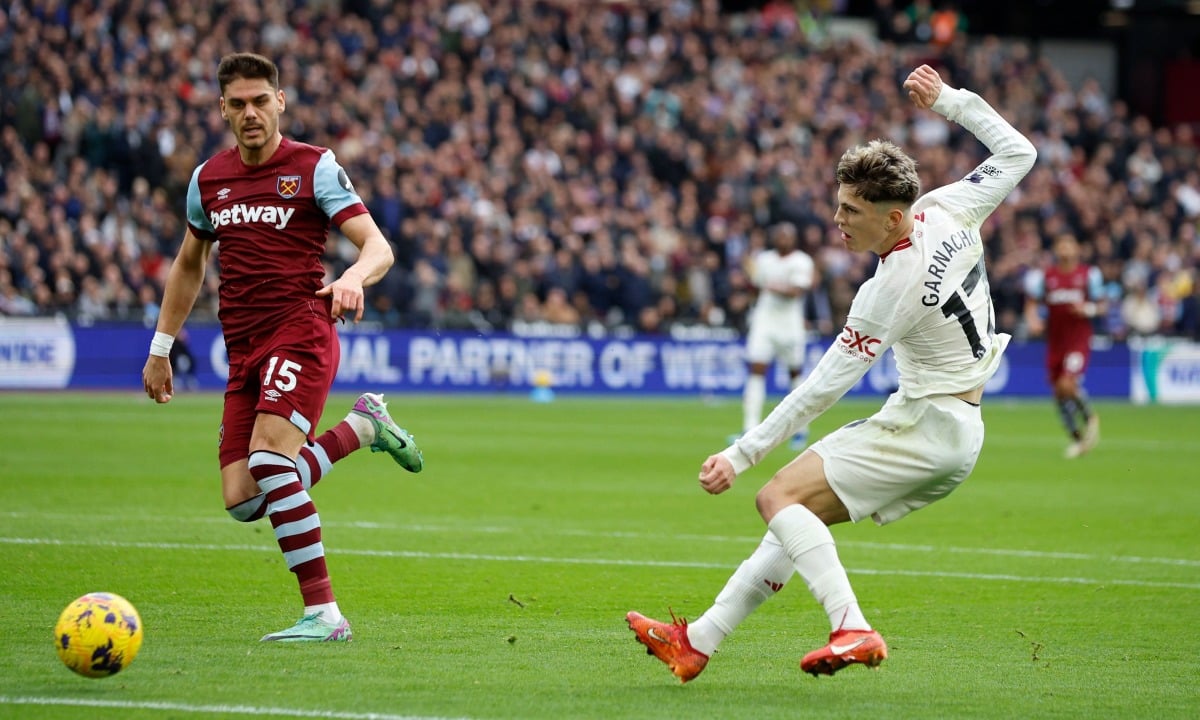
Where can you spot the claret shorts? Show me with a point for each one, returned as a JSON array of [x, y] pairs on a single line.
[[286, 372]]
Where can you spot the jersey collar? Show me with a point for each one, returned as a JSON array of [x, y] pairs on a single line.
[[905, 243]]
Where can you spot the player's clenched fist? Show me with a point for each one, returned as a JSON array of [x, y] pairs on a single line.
[[923, 86], [716, 474]]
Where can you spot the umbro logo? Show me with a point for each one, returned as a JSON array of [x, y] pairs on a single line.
[[273, 394], [223, 193]]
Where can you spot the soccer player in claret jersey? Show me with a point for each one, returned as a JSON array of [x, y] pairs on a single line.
[[1073, 295], [269, 202], [928, 301], [782, 275]]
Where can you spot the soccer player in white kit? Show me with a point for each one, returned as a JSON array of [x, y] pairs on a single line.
[[783, 275], [929, 301]]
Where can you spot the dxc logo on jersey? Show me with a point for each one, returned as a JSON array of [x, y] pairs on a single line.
[[856, 344], [240, 214]]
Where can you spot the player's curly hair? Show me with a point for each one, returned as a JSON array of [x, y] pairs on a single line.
[[248, 66], [879, 171]]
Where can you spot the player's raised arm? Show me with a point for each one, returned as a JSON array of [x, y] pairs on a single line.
[[1013, 155]]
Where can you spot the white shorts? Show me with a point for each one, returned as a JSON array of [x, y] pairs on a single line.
[[907, 455], [782, 341]]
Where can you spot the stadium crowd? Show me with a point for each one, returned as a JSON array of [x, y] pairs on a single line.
[[582, 165]]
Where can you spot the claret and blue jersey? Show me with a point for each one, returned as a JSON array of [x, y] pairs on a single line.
[[271, 222]]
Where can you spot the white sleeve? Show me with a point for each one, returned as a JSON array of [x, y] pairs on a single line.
[[758, 270], [840, 368], [974, 197], [803, 276]]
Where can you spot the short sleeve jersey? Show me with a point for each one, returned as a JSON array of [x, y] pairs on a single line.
[[271, 222], [770, 268]]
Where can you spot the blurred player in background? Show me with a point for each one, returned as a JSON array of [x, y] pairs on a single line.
[[1072, 294], [269, 202], [183, 362], [782, 274], [929, 300]]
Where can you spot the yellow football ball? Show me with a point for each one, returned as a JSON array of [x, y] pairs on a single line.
[[98, 635]]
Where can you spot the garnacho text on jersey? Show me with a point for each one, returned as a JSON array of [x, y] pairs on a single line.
[[941, 260]]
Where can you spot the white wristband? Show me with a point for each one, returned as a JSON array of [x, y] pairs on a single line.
[[160, 346]]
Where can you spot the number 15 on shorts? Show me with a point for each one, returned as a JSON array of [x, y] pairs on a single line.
[[281, 374]]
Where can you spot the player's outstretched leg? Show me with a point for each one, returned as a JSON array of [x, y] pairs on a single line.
[[313, 628], [389, 437], [668, 642], [846, 647]]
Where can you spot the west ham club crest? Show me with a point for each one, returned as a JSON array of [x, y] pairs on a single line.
[[287, 186]]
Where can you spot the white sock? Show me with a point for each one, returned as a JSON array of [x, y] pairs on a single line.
[[758, 578], [753, 397], [809, 544], [329, 612], [363, 428]]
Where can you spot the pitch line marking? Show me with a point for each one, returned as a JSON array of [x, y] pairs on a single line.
[[633, 535], [421, 555], [212, 709]]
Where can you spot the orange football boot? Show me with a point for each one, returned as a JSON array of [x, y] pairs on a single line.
[[846, 647], [668, 642]]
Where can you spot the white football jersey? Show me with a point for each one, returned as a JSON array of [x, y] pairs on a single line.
[[770, 268], [929, 299]]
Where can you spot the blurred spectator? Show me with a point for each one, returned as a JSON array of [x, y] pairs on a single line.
[[1140, 312], [558, 310], [1188, 324], [946, 25], [13, 302], [587, 164]]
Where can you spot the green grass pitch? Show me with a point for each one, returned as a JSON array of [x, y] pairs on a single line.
[[494, 584]]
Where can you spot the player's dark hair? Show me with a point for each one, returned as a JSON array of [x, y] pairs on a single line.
[[247, 66], [880, 172], [784, 229]]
